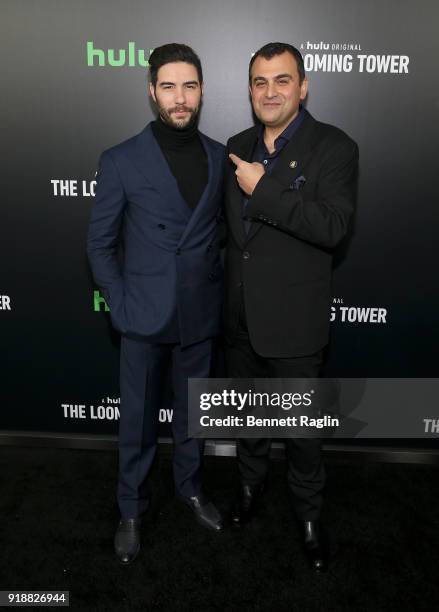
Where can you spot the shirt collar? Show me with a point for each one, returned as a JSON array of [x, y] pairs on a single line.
[[288, 132]]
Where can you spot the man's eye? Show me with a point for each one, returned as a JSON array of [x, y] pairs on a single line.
[[283, 82]]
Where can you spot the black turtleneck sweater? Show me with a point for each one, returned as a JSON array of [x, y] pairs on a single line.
[[186, 157]]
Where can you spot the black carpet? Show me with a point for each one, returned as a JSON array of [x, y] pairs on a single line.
[[58, 515]]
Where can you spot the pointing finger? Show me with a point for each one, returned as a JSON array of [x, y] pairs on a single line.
[[235, 159]]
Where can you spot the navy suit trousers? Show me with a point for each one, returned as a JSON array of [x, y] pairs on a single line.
[[143, 369]]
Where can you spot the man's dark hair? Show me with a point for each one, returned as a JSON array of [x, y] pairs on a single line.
[[173, 52], [276, 48]]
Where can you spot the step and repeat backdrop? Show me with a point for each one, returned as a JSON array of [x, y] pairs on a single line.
[[74, 82]]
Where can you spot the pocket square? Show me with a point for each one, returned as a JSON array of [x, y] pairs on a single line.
[[298, 183]]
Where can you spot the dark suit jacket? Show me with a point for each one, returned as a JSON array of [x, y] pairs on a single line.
[[171, 267], [299, 214]]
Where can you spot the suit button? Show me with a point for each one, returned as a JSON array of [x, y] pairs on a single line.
[[246, 255], [239, 284], [211, 276], [178, 252], [161, 226]]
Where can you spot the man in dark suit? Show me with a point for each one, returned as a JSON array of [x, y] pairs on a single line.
[[159, 196], [290, 190]]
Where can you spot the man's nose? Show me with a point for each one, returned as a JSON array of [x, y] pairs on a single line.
[[180, 97], [271, 90]]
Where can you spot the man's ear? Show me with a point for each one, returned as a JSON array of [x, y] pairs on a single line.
[[152, 92], [304, 89]]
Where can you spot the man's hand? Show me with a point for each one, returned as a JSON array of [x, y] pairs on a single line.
[[248, 175]]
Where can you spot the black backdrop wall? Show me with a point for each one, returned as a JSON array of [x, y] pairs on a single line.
[[74, 83]]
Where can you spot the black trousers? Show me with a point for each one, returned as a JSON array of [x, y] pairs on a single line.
[[306, 473], [142, 377]]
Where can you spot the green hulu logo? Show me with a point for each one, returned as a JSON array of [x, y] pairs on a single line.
[[99, 302], [121, 57]]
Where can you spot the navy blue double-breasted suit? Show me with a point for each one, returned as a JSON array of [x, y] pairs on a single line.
[[164, 298]]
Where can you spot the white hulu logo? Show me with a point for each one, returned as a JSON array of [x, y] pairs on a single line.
[[121, 57]]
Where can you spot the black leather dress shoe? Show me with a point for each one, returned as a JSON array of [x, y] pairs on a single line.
[[315, 549], [244, 507], [127, 540], [205, 512]]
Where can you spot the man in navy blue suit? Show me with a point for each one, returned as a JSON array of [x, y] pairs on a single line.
[[159, 197]]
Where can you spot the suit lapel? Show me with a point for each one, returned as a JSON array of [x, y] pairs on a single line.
[[292, 160], [299, 150], [151, 162], [215, 164], [234, 202]]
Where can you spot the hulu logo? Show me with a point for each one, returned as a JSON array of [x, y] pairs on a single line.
[[99, 303], [121, 57]]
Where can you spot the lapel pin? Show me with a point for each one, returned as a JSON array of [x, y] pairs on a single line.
[[293, 164]]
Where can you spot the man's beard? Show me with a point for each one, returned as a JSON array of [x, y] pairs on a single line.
[[179, 124]]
